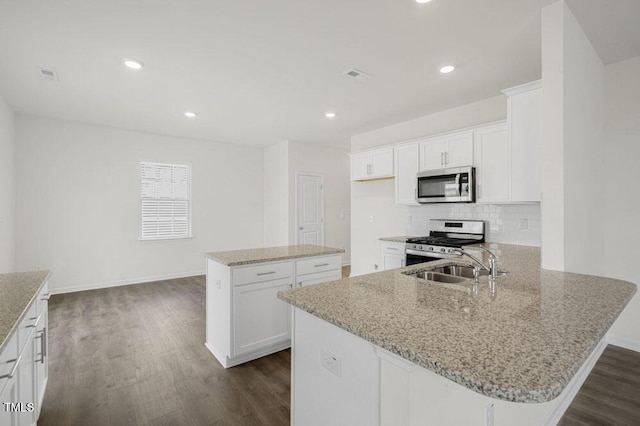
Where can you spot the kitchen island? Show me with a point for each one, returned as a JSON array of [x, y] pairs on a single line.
[[245, 319], [390, 348]]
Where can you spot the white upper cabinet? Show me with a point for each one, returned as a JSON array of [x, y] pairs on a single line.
[[453, 150], [492, 155], [374, 164], [524, 118], [406, 166]]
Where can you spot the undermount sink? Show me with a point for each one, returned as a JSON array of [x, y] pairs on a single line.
[[437, 276], [462, 271]]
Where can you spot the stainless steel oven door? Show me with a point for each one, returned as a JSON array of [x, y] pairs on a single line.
[[414, 259]]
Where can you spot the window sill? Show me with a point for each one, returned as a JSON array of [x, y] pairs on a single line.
[[165, 239]]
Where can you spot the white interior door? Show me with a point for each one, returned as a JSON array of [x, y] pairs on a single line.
[[309, 209]]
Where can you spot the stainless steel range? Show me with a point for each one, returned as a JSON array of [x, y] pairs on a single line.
[[445, 236]]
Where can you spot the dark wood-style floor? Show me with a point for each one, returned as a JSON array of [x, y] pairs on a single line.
[[134, 355]]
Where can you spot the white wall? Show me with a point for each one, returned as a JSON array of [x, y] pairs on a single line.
[[377, 198], [583, 150], [7, 188], [621, 174], [572, 76], [77, 210], [333, 165], [276, 195]]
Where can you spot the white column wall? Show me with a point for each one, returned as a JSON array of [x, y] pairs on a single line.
[[620, 177], [7, 188], [276, 195]]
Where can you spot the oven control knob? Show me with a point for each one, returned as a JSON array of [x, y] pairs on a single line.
[[419, 247], [431, 248], [443, 250]]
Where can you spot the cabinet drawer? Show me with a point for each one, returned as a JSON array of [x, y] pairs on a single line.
[[318, 264], [393, 248], [318, 277], [42, 301], [27, 325], [262, 272], [8, 360]]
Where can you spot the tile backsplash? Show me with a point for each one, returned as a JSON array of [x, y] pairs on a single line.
[[508, 223]]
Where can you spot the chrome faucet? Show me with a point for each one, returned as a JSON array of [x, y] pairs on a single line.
[[492, 268]]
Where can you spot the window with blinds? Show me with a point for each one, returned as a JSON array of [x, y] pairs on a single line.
[[165, 193]]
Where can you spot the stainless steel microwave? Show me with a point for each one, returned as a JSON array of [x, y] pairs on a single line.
[[457, 185]]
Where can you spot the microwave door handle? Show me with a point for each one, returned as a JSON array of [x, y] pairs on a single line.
[[459, 184]]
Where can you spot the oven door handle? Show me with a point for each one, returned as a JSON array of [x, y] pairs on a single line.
[[439, 255]]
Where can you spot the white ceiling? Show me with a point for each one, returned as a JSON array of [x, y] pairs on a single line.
[[262, 72]]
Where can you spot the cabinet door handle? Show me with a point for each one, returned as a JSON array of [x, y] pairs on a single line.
[[13, 370], [442, 158], [392, 248], [322, 264], [266, 273], [446, 158], [45, 296], [43, 345]]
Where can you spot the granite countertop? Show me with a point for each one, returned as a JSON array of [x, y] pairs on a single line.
[[523, 345], [17, 292], [270, 254], [401, 239]]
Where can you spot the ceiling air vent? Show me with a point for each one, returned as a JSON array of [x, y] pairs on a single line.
[[48, 74], [357, 74]]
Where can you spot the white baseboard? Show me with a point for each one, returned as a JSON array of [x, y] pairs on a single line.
[[623, 342], [570, 392], [117, 283]]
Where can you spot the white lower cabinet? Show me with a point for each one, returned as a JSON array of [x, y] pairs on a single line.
[[23, 367], [259, 319], [245, 319], [393, 255]]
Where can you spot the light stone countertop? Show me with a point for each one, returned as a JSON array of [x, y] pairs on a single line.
[[17, 291], [401, 239], [524, 345], [270, 254]]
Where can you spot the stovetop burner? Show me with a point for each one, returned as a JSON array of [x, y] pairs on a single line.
[[442, 241]]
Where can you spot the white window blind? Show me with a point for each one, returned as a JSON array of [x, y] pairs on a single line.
[[165, 193]]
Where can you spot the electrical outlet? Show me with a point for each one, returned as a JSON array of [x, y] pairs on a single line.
[[489, 414], [370, 219], [524, 224], [330, 362], [410, 219]]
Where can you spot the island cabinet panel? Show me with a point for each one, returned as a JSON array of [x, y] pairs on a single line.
[[334, 375], [259, 317], [245, 318], [9, 380]]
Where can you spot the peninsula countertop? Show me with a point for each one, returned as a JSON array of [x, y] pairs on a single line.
[[522, 345], [270, 254], [17, 292]]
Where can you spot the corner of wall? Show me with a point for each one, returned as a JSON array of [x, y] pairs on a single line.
[[7, 188]]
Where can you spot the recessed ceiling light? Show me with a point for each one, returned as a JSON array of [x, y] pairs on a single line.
[[422, 1], [190, 114], [330, 115], [447, 69], [133, 64]]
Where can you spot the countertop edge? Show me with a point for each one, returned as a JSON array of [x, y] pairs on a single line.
[[24, 311], [329, 252], [492, 391]]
